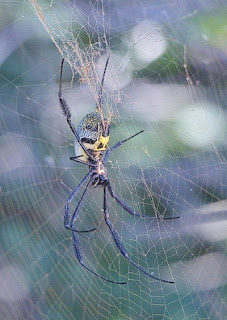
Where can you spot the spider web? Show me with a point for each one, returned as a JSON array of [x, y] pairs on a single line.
[[167, 75]]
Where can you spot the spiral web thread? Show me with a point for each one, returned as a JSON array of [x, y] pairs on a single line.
[[156, 173]]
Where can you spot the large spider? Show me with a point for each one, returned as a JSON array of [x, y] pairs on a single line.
[[92, 135]]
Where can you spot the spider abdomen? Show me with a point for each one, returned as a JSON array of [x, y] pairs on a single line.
[[92, 133]]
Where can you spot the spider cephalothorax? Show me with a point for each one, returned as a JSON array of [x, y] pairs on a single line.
[[92, 136], [99, 175]]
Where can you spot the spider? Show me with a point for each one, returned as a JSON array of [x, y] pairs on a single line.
[[92, 136]]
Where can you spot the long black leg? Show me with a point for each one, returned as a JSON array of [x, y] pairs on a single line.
[[77, 211], [69, 200], [132, 211], [99, 106], [76, 159], [102, 82], [66, 111], [80, 258], [76, 240], [118, 145], [125, 205], [120, 245]]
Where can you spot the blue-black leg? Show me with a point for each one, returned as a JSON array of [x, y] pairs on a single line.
[[120, 245], [130, 210], [69, 200], [77, 211], [118, 145], [66, 111], [77, 159], [76, 240], [80, 258], [102, 83]]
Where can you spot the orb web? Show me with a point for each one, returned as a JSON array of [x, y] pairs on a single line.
[[166, 75]]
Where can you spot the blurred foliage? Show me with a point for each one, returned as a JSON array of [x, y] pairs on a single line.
[[160, 173]]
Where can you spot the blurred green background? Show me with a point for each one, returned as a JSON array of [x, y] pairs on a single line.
[[167, 75]]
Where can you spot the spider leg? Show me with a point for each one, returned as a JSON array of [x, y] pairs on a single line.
[[66, 111], [130, 210], [77, 211], [80, 258], [69, 200], [78, 160], [99, 105], [118, 145], [76, 240], [120, 245]]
